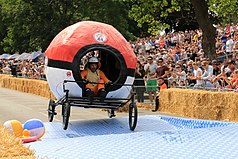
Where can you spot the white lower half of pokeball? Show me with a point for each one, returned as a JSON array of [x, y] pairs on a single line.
[[55, 78]]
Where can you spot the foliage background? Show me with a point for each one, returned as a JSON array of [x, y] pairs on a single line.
[[28, 25]]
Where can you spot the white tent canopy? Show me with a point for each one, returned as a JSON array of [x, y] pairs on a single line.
[[23, 56], [14, 56], [4, 56]]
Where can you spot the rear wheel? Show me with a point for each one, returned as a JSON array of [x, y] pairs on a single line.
[[51, 110], [132, 116], [65, 115]]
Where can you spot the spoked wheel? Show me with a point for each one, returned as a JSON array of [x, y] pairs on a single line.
[[133, 116], [111, 113], [51, 110], [65, 115]]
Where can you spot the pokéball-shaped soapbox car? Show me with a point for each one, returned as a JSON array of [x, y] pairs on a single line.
[[64, 59]]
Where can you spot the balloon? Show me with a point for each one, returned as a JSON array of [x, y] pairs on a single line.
[[14, 126], [36, 127]]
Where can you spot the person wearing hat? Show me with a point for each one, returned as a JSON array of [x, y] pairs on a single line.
[[97, 77]]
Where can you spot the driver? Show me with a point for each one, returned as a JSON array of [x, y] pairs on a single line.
[[95, 75]]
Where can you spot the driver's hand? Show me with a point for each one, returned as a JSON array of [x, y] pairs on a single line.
[[109, 83], [85, 80]]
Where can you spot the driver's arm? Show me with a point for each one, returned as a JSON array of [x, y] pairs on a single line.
[[103, 77], [84, 74]]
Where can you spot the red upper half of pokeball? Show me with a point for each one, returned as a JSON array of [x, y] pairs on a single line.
[[70, 40]]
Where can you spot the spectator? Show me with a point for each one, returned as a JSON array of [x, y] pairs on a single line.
[[234, 80], [173, 84], [139, 82], [197, 73], [173, 79], [14, 69], [207, 74], [216, 69], [150, 74], [1, 66], [41, 72], [229, 45], [6, 69], [162, 85], [223, 80], [190, 71], [181, 75], [162, 70], [231, 66]]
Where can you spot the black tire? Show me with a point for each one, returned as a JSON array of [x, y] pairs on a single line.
[[111, 113], [133, 114], [51, 110], [65, 115]]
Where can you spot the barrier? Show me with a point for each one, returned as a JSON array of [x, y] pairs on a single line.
[[37, 87], [182, 102], [1, 78], [200, 104]]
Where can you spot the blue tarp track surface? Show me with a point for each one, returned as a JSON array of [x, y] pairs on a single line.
[[162, 137]]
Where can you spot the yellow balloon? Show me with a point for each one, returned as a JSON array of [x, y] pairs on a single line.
[[14, 126]]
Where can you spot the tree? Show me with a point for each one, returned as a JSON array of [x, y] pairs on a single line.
[[113, 12], [154, 13], [33, 24], [205, 23], [3, 30], [225, 10]]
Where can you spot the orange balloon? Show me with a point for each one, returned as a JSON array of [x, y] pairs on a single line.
[[26, 133]]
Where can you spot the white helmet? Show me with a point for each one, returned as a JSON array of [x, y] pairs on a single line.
[[93, 60]]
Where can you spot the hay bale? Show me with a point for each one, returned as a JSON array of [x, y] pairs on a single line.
[[2, 76], [32, 86], [11, 147], [188, 103], [200, 104]]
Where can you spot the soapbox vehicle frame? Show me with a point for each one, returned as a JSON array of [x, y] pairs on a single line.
[[109, 104]]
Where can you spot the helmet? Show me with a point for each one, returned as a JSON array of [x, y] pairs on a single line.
[[93, 60]]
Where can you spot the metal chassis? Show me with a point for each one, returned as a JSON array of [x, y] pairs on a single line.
[[111, 104]]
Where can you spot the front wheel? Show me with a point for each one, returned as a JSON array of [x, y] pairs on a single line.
[[133, 114], [65, 114], [51, 110]]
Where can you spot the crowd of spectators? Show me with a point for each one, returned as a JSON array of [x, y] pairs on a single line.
[[23, 68], [175, 59], [179, 61]]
